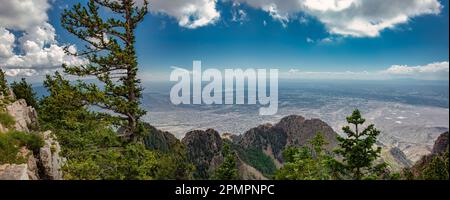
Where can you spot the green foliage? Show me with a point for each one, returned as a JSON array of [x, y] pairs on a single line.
[[358, 150], [306, 163], [112, 58], [64, 107], [93, 151], [4, 90], [7, 120], [430, 167], [132, 162], [91, 146], [174, 166], [228, 169], [438, 168], [257, 159], [23, 90], [11, 142]]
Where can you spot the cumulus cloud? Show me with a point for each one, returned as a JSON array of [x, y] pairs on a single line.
[[189, 13], [23, 14], [356, 18], [437, 70], [28, 43]]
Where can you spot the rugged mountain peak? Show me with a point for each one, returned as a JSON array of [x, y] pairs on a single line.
[[267, 142], [291, 119], [292, 130], [300, 130], [160, 140], [204, 151], [441, 144]]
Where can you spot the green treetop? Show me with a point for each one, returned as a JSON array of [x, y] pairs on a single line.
[[358, 150], [23, 90], [112, 58], [3, 84], [228, 169]]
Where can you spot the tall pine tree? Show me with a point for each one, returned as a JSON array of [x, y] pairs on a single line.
[[112, 58], [358, 150]]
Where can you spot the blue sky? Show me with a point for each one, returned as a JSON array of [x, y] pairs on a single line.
[[249, 35]]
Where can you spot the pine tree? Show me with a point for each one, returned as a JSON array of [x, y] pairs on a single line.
[[228, 169], [4, 90], [357, 149], [112, 58], [64, 107], [23, 90]]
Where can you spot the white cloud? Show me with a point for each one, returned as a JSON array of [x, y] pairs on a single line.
[[335, 75], [326, 40], [437, 70], [32, 48], [20, 72], [433, 71], [303, 20], [239, 16], [356, 18], [6, 43], [293, 71], [23, 14], [189, 13]]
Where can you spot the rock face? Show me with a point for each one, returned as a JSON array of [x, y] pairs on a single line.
[[45, 164], [441, 144], [24, 115], [50, 161], [160, 140], [300, 131], [14, 172], [26, 171], [290, 131], [204, 151], [204, 148]]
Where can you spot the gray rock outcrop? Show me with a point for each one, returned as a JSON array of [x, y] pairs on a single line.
[[25, 116], [44, 164], [49, 157]]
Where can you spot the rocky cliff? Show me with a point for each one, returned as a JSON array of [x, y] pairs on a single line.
[[441, 144], [290, 131], [25, 116], [440, 149], [204, 149], [43, 164]]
